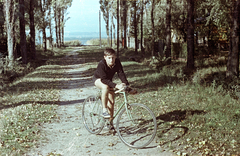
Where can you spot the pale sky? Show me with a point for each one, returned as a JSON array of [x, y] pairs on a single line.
[[84, 17]]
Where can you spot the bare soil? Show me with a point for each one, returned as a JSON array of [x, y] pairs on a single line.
[[68, 136]]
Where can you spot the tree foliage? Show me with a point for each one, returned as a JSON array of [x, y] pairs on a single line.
[[33, 16], [204, 24]]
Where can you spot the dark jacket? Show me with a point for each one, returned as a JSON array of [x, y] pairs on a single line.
[[105, 73]]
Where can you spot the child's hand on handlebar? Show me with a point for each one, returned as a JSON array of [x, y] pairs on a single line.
[[120, 86]]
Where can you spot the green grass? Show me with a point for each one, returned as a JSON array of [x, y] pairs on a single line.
[[197, 112], [27, 102]]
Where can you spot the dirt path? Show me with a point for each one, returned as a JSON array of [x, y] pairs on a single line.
[[68, 137]]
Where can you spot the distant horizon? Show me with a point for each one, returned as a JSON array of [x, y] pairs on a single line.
[[78, 35], [86, 31], [84, 34], [83, 37]]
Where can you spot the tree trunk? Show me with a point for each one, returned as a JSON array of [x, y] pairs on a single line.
[[117, 28], [111, 36], [50, 27], [23, 42], [125, 23], [62, 27], [32, 30], [152, 19], [56, 23], [107, 27], [2, 31], [9, 11], [59, 27], [113, 30], [141, 41], [44, 36], [168, 32], [120, 23], [44, 39], [233, 58], [190, 34], [100, 40], [135, 23]]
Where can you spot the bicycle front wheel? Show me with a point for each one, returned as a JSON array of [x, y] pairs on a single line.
[[136, 125], [91, 115]]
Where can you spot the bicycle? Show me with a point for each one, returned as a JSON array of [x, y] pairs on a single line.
[[136, 124]]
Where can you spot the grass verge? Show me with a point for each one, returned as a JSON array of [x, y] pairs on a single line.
[[29, 101]]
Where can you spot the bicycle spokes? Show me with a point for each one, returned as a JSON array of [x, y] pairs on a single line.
[[136, 126], [92, 108]]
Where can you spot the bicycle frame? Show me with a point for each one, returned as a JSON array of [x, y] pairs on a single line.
[[125, 103], [121, 106]]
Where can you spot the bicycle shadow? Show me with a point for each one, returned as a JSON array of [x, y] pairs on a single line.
[[168, 124], [168, 129]]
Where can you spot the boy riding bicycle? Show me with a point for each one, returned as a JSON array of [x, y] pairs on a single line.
[[103, 76]]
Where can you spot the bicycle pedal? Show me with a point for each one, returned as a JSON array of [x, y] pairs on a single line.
[[113, 132]]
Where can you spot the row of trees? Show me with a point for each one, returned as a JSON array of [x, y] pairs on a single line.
[[211, 20], [21, 16]]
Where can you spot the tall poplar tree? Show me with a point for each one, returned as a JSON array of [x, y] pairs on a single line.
[[168, 31], [117, 28], [190, 34], [125, 24], [233, 58], [134, 9], [32, 29], [104, 6], [10, 18], [152, 22], [55, 8], [141, 39], [23, 42], [43, 8]]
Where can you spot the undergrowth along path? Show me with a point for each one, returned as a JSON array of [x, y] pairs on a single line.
[[68, 135]]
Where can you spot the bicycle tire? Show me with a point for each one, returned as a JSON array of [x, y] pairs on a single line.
[[91, 115], [140, 129]]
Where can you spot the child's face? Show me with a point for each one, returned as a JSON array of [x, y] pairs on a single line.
[[110, 59]]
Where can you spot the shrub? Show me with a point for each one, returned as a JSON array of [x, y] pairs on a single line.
[[104, 42], [73, 43], [8, 74]]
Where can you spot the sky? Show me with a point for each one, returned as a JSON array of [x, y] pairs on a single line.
[[84, 17]]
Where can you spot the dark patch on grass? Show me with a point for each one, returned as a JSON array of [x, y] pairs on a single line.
[[178, 115]]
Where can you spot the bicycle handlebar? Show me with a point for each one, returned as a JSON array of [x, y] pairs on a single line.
[[120, 90]]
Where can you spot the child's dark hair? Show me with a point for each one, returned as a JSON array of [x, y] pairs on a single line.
[[109, 51]]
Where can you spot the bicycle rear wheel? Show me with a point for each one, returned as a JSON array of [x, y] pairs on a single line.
[[91, 115], [136, 126]]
